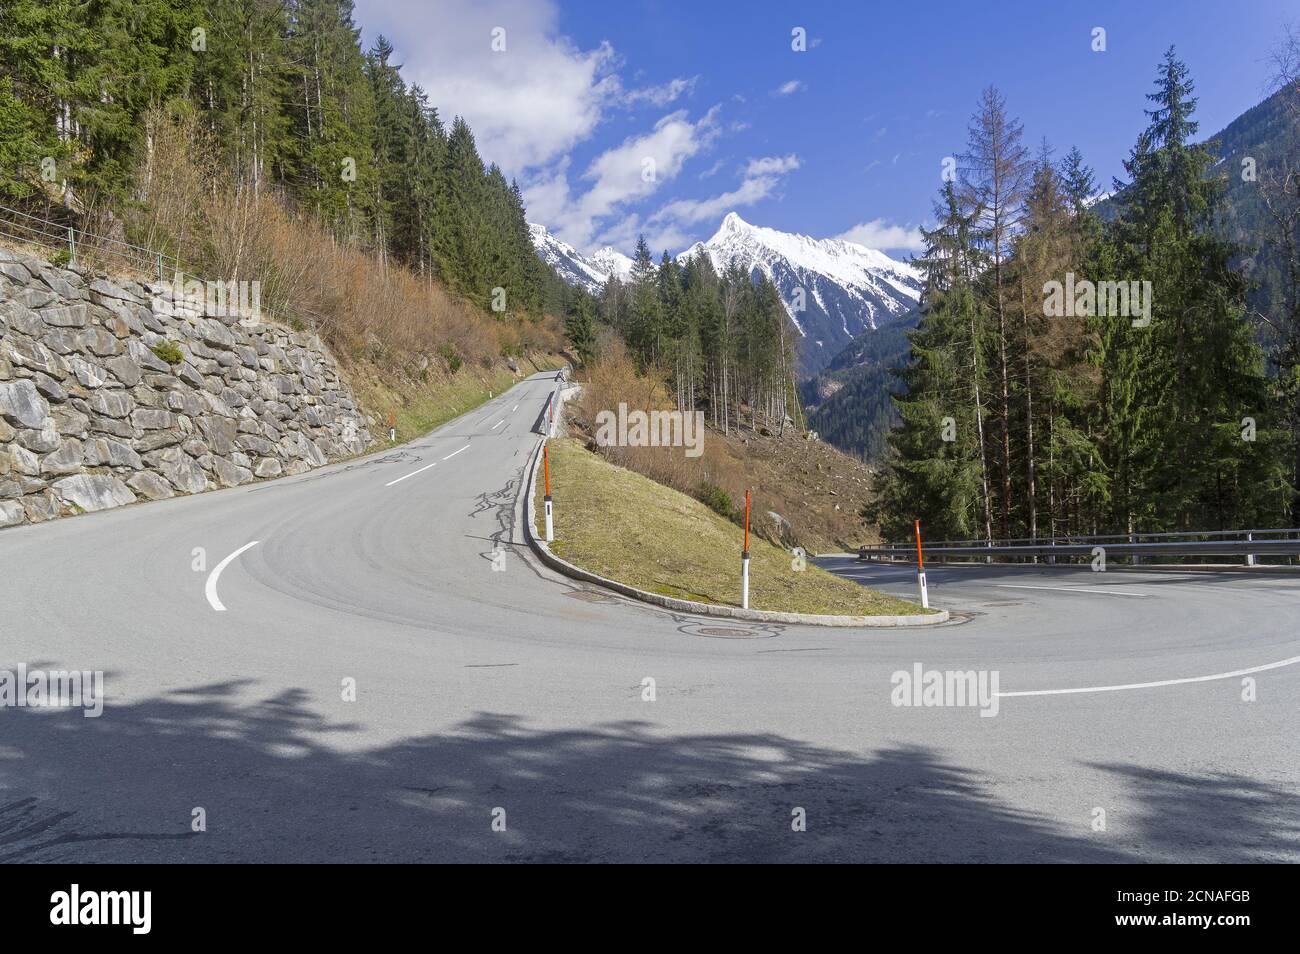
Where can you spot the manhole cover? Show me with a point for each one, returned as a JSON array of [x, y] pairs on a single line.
[[730, 632]]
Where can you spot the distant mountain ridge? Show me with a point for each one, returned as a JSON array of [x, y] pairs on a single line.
[[589, 272], [846, 288], [1265, 134], [848, 402]]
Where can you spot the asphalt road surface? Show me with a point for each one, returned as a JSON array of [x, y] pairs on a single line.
[[490, 690]]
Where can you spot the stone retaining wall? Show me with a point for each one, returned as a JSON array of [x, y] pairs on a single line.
[[97, 411]]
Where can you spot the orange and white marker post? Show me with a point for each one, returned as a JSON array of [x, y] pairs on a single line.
[[550, 523], [920, 569], [744, 561]]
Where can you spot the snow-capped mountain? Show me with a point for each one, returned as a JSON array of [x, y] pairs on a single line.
[[613, 262], [575, 268], [832, 289], [845, 288], [570, 264]]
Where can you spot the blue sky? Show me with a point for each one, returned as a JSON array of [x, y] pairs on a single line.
[[659, 117]]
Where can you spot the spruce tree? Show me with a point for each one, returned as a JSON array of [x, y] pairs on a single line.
[[937, 468], [1193, 376]]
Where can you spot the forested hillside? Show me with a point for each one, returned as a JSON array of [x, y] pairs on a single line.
[[1254, 155], [1020, 418], [723, 342], [174, 123], [851, 400]]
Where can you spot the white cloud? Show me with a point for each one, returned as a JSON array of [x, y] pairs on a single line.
[[528, 104], [663, 94], [880, 234], [659, 237], [712, 170], [624, 174], [786, 89], [760, 179], [772, 166]]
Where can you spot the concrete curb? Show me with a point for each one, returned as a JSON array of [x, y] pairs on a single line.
[[691, 606]]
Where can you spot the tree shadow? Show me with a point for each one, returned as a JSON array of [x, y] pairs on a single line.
[[280, 781], [1211, 817]]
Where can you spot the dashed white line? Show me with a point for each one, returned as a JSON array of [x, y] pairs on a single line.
[[1163, 682], [498, 423], [515, 408], [411, 474], [210, 589], [425, 467], [1069, 589]]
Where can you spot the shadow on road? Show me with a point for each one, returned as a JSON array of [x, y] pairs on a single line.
[[280, 781]]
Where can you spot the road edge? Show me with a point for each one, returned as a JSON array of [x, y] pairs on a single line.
[[543, 552]]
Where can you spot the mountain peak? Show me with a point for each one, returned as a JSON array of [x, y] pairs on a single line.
[[732, 222], [832, 289]]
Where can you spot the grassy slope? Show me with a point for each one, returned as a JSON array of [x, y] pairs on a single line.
[[626, 527]]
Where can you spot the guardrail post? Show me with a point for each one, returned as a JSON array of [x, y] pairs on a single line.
[[920, 569], [546, 500], [1137, 560], [744, 561]]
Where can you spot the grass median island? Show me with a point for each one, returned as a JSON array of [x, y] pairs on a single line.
[[623, 526]]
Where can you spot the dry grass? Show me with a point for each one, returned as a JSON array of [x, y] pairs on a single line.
[[414, 353], [815, 492], [629, 528], [366, 308], [417, 407]]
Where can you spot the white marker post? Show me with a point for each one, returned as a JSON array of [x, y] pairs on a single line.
[[920, 569], [550, 523], [744, 561]]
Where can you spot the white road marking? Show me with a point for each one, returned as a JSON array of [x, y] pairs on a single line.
[[1069, 589], [498, 423], [454, 453], [411, 474], [1153, 685], [210, 589]]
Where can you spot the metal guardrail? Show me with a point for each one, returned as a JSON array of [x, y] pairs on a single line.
[[52, 236], [1248, 544], [44, 233], [1129, 537]]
